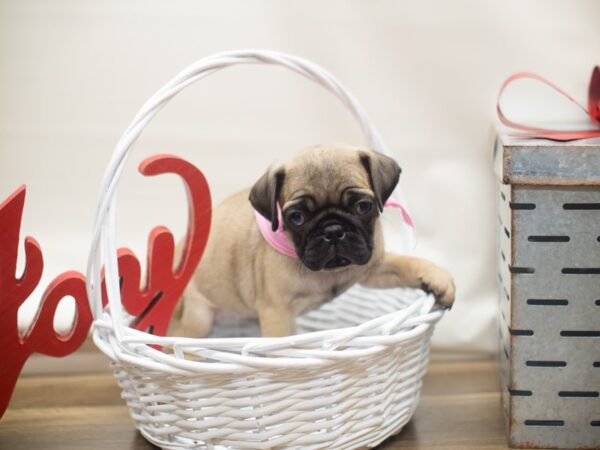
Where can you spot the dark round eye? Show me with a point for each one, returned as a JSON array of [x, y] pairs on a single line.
[[363, 207], [296, 218]]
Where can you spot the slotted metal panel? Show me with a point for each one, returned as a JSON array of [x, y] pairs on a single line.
[[549, 299]]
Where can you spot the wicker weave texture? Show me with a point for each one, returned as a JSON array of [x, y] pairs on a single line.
[[353, 386]]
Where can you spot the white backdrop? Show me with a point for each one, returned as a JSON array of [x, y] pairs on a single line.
[[73, 74]]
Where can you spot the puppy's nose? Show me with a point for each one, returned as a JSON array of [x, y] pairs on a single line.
[[333, 233]]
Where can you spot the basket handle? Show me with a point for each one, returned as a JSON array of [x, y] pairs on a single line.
[[103, 250]]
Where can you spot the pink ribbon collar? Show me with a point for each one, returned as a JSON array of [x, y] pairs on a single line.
[[280, 242]]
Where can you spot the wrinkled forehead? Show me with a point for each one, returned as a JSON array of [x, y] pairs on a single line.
[[324, 178]]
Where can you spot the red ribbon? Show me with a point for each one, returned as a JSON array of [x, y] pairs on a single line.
[[592, 111]]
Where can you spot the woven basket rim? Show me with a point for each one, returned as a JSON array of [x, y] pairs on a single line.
[[309, 350], [143, 337]]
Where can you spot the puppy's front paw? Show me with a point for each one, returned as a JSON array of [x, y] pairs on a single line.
[[440, 283]]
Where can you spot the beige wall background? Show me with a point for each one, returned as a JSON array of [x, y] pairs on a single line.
[[73, 74]]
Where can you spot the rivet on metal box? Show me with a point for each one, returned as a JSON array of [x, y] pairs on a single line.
[[549, 291]]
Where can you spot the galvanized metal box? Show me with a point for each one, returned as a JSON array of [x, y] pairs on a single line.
[[549, 291]]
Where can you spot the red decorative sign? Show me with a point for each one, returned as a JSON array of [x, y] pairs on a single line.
[[41, 336], [151, 305]]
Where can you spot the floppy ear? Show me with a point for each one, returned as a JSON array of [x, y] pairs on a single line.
[[264, 195], [384, 173]]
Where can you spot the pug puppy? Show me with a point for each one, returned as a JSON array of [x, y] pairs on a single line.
[[330, 198]]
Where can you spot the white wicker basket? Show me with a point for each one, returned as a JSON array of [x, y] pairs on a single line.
[[350, 381]]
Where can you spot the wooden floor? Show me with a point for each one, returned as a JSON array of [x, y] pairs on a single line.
[[459, 409]]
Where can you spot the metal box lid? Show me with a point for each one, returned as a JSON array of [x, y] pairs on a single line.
[[543, 162]]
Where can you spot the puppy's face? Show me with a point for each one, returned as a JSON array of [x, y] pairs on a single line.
[[330, 197]]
